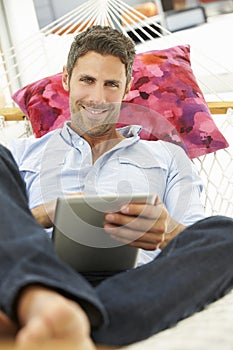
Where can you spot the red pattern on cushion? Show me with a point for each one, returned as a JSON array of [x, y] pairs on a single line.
[[165, 99], [164, 82], [45, 102]]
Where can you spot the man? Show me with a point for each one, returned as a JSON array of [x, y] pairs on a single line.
[[43, 300], [91, 156]]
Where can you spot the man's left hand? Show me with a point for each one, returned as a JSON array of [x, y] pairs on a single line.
[[146, 226]]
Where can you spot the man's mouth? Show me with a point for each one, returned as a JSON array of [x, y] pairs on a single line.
[[95, 111]]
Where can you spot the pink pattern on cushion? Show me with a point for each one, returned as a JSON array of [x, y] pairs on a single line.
[[45, 102], [164, 82], [164, 88]]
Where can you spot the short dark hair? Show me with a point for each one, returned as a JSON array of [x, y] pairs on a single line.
[[105, 41]]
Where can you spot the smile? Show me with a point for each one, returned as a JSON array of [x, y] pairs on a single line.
[[95, 111]]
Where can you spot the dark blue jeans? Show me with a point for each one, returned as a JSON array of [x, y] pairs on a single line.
[[192, 271]]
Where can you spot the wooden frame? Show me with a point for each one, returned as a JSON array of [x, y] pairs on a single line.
[[16, 114], [12, 114], [219, 107]]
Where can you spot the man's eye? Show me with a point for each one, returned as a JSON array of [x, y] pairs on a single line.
[[86, 80], [112, 84]]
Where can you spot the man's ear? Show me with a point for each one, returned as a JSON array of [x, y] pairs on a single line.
[[128, 87], [65, 79]]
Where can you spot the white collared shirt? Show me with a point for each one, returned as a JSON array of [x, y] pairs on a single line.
[[61, 162]]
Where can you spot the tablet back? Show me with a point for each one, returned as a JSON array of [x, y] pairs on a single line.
[[80, 239]]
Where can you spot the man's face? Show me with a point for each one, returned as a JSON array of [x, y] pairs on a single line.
[[97, 87]]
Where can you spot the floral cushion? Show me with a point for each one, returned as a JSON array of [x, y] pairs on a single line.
[[45, 102], [165, 99]]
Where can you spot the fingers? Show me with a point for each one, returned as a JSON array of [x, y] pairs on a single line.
[[148, 241], [140, 225], [79, 193], [140, 217], [147, 210]]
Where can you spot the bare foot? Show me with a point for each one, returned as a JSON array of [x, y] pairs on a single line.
[[46, 316]]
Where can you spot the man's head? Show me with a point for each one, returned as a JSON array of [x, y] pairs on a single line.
[[98, 77], [105, 41]]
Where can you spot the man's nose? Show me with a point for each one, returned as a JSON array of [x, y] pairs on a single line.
[[98, 95]]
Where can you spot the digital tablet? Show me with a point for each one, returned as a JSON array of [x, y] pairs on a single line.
[[79, 237]]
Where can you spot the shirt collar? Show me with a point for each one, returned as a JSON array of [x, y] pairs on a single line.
[[70, 136]]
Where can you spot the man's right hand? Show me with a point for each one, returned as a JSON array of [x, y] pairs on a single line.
[[44, 213]]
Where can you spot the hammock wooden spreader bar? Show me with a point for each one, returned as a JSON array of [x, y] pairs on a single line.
[[16, 114]]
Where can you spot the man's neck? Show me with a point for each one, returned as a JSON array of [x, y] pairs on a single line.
[[100, 143], [99, 146]]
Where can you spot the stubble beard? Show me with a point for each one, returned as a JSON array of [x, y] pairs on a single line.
[[83, 125]]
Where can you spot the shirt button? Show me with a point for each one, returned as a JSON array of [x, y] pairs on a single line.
[[80, 142]]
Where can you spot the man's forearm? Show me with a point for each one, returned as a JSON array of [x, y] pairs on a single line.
[[44, 213]]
